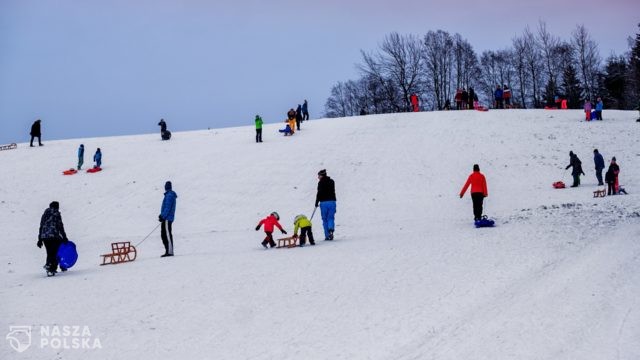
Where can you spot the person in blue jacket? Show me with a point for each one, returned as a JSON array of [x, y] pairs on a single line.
[[599, 107], [305, 111], [167, 214], [97, 157], [80, 156], [599, 162]]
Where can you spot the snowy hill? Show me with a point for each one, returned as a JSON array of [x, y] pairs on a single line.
[[408, 276]]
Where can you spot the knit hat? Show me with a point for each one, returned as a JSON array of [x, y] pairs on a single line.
[[276, 215], [55, 205], [322, 172], [613, 158], [476, 167], [167, 185]]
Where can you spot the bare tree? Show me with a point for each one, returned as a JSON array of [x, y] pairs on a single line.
[[549, 47], [401, 59], [587, 58], [533, 64], [438, 57], [519, 63]]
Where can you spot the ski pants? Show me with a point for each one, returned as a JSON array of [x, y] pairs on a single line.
[[576, 180], [258, 135], [269, 239], [477, 199], [52, 245], [304, 232], [167, 237], [611, 188], [80, 162], [33, 137], [305, 115], [599, 176], [328, 212]]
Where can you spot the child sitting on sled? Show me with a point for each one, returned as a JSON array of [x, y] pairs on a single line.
[[269, 222], [304, 224], [287, 130]]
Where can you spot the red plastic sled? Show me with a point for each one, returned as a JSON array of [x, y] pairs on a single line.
[[559, 185], [70, 172], [94, 170]]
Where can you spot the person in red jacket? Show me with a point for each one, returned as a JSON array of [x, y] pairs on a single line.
[[269, 222], [478, 191]]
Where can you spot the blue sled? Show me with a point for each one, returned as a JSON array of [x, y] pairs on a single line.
[[67, 255], [484, 222]]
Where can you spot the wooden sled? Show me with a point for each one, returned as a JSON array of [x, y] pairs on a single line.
[[120, 252], [8, 147], [289, 242], [600, 193]]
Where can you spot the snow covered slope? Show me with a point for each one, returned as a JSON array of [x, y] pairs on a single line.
[[408, 276]]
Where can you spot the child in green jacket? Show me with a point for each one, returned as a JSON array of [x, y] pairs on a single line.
[[304, 224], [258, 128]]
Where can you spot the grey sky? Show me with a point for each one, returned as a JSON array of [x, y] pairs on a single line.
[[97, 68]]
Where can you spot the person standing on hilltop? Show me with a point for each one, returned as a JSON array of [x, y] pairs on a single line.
[[166, 217], [258, 129], [35, 132], [305, 111]]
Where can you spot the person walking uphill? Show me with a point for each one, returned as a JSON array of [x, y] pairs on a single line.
[[166, 217], [52, 234], [599, 162], [577, 168], [258, 129], [299, 115], [479, 190], [326, 198], [269, 222], [305, 111], [35, 132]]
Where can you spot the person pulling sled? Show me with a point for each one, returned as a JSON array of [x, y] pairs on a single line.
[[479, 191], [51, 235], [269, 222]]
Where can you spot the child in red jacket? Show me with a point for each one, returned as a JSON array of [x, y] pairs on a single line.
[[269, 222]]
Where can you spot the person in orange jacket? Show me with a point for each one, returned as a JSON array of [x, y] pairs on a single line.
[[269, 222], [479, 190]]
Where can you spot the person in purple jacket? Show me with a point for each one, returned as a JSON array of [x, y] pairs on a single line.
[[587, 110]]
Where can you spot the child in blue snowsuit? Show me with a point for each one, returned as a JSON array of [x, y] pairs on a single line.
[[97, 157]]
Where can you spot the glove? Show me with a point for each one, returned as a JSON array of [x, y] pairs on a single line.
[[460, 196], [316, 205], [160, 218], [39, 244], [284, 232], [257, 227], [295, 236]]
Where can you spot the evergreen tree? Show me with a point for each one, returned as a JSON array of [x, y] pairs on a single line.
[[615, 83], [571, 87], [633, 88]]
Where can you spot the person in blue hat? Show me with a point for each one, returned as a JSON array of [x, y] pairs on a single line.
[[166, 217]]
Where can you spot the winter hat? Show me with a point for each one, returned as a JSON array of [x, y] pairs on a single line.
[[55, 205], [167, 185], [275, 214], [476, 167], [570, 153], [322, 172], [298, 217], [613, 158]]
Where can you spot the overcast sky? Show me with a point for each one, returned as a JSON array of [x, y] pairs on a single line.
[[96, 68]]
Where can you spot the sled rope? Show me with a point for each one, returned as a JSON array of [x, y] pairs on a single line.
[[146, 237]]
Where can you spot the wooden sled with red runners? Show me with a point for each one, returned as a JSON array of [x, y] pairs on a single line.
[[120, 252]]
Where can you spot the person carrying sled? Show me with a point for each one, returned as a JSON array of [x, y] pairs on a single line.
[[599, 163], [80, 156], [304, 225], [479, 191], [576, 164], [166, 217], [326, 198], [97, 157], [258, 129], [35, 132], [269, 222], [52, 234]]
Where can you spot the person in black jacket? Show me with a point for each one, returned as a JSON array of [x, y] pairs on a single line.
[[35, 132], [52, 234], [326, 198], [577, 168]]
